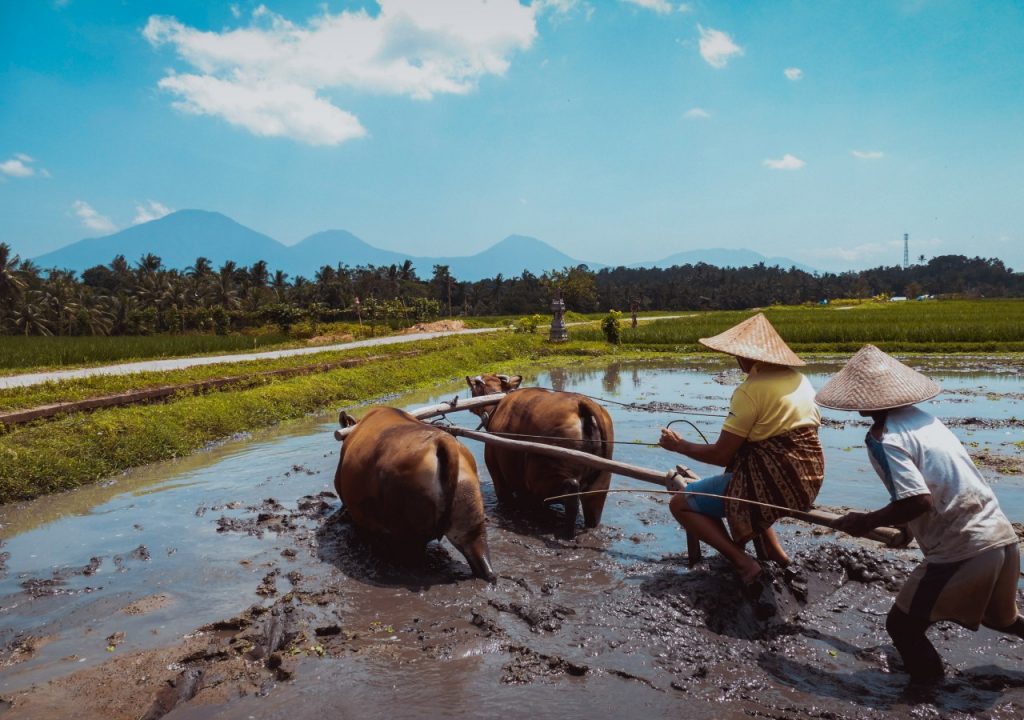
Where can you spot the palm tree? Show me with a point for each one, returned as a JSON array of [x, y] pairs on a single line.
[[30, 314], [11, 283], [150, 263], [224, 291], [60, 296], [95, 313], [259, 276], [279, 284], [201, 269]]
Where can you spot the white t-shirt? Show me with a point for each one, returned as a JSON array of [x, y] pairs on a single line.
[[918, 455]]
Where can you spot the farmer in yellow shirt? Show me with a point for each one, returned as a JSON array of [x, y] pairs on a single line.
[[768, 446]]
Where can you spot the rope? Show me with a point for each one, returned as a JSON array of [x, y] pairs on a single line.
[[684, 420], [634, 406], [678, 492], [551, 438]]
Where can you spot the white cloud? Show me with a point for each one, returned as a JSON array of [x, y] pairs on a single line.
[[92, 219], [15, 167], [662, 7], [149, 210], [716, 47], [793, 73], [555, 7], [20, 165], [868, 154], [285, 110], [786, 162], [696, 114], [273, 77]]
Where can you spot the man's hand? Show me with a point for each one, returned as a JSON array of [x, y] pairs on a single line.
[[855, 523], [670, 440]]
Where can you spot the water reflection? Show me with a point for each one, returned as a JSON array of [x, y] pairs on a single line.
[[610, 381]]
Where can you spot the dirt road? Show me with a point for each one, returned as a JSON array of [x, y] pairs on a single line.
[[27, 379]]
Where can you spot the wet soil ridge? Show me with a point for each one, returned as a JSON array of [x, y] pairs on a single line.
[[164, 392]]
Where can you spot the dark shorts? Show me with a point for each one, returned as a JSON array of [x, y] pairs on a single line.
[[716, 484], [979, 590]]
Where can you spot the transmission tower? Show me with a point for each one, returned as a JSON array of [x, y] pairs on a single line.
[[906, 250]]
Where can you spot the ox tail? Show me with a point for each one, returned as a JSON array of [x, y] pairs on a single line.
[[598, 436], [448, 480]]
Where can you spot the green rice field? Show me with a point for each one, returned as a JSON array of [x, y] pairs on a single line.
[[910, 326], [17, 352]]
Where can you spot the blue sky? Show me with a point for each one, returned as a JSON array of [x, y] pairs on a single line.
[[618, 131]]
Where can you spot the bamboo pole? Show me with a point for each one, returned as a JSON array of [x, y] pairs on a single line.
[[884, 535], [444, 408]]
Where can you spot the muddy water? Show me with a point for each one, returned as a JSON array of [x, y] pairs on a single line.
[[223, 586]]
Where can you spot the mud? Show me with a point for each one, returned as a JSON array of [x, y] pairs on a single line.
[[287, 613], [577, 615]]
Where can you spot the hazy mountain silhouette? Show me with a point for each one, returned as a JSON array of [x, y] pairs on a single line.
[[179, 238], [722, 257]]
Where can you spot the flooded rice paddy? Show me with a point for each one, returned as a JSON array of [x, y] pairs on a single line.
[[223, 585]]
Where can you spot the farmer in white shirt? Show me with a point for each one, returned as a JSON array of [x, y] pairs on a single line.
[[971, 562]]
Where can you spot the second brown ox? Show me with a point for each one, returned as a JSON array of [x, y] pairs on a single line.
[[563, 419]]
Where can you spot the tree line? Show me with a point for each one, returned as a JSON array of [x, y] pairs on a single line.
[[124, 298]]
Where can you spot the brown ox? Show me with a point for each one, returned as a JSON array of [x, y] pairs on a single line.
[[405, 483], [557, 418]]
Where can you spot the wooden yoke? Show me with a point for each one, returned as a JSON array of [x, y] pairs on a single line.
[[453, 405]]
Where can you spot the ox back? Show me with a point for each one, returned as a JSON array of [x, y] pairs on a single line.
[[557, 418]]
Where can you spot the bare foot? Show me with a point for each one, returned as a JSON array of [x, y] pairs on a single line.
[[687, 472]]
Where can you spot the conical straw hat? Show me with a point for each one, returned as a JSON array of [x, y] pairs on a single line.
[[754, 339], [872, 380]]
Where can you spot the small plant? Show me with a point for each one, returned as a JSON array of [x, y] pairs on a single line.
[[611, 326], [528, 324]]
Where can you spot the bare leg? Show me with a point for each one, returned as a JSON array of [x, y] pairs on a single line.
[[919, 656], [1014, 628], [772, 548], [712, 531]]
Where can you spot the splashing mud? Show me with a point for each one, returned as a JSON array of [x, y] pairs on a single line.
[[238, 589]]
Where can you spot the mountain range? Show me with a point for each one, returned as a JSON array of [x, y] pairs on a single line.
[[181, 237]]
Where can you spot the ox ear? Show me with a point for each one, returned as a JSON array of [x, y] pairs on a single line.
[[476, 385], [510, 383], [346, 420]]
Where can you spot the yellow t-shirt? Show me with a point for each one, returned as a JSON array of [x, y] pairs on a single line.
[[772, 400]]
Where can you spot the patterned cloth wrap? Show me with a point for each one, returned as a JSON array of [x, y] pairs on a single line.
[[785, 470]]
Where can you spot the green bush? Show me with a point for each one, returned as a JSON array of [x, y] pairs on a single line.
[[528, 324], [611, 326]]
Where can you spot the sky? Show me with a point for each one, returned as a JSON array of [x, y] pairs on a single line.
[[618, 131]]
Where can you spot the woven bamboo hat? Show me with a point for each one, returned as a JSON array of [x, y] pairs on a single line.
[[754, 339], [872, 380]]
